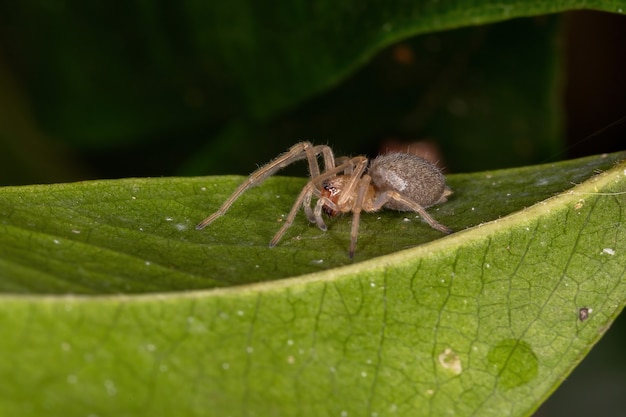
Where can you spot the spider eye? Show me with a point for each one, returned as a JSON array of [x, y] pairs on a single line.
[[328, 186]]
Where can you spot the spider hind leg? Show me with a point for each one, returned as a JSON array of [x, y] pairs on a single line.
[[411, 205]]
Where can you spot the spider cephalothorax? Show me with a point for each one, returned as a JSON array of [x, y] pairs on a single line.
[[396, 181], [331, 190]]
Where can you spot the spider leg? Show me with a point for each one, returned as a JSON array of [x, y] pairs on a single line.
[[304, 199], [310, 189], [360, 165], [363, 186], [327, 154], [317, 212], [347, 165], [305, 194], [336, 170], [297, 152], [341, 160], [387, 196], [306, 204]]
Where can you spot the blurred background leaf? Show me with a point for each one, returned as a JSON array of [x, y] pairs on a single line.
[[96, 90]]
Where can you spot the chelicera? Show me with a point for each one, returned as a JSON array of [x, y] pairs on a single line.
[[397, 181]]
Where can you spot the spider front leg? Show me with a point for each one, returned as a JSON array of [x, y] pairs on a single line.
[[305, 195], [314, 215], [362, 191], [323, 202], [299, 151], [342, 183]]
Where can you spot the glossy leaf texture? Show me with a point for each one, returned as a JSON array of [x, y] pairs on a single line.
[[137, 235], [486, 321]]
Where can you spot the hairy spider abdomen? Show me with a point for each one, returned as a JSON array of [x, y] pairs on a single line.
[[411, 176]]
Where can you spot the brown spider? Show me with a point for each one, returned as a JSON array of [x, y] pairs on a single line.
[[398, 181]]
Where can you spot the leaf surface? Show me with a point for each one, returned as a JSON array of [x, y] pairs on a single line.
[[487, 321]]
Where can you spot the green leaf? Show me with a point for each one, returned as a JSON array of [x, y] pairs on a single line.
[[144, 75], [487, 321]]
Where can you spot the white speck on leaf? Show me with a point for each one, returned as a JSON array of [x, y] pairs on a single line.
[[449, 360], [608, 251], [579, 204], [110, 387]]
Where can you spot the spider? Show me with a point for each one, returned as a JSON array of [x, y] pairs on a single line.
[[397, 181]]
